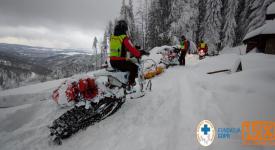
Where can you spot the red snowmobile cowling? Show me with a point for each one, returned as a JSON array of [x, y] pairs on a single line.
[[70, 91], [88, 88], [55, 95]]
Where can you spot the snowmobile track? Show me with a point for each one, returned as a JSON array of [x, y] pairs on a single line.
[[79, 118]]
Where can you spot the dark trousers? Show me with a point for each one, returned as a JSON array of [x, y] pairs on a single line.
[[182, 58], [124, 65]]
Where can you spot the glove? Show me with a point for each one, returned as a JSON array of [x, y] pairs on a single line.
[[142, 52], [138, 47]]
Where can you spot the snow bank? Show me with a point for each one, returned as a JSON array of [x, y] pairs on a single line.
[[155, 53], [258, 61], [239, 50], [36, 88], [258, 74], [221, 62], [28, 94]]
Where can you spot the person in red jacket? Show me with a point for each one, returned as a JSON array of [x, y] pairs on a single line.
[[202, 49], [203, 46], [120, 46]]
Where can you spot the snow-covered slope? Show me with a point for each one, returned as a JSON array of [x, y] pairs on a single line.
[[164, 119]]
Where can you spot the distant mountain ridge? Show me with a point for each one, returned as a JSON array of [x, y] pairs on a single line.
[[22, 65]]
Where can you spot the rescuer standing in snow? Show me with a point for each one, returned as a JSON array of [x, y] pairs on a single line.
[[184, 48]]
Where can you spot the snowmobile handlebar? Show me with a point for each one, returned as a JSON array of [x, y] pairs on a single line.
[[144, 53], [176, 49]]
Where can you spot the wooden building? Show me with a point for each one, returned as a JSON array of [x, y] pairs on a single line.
[[263, 38]]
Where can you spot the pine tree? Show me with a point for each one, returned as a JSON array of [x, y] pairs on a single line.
[[255, 18], [123, 9], [219, 22], [229, 33], [107, 34], [95, 48], [146, 19], [257, 10], [110, 28], [95, 45], [104, 47], [153, 24], [213, 24], [105, 43], [252, 16], [184, 18], [241, 21], [165, 7], [200, 20], [127, 14], [159, 22], [141, 21], [132, 24]]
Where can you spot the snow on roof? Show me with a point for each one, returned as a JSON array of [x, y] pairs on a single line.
[[271, 9], [267, 28]]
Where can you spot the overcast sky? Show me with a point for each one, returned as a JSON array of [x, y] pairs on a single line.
[[55, 23]]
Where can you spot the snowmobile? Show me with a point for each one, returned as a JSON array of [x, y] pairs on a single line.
[[108, 95], [201, 54], [170, 57]]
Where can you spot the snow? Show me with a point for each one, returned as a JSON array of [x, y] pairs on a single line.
[[193, 47], [71, 53], [267, 28], [164, 119], [28, 94], [224, 61], [271, 9], [155, 53], [239, 50], [36, 88]]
